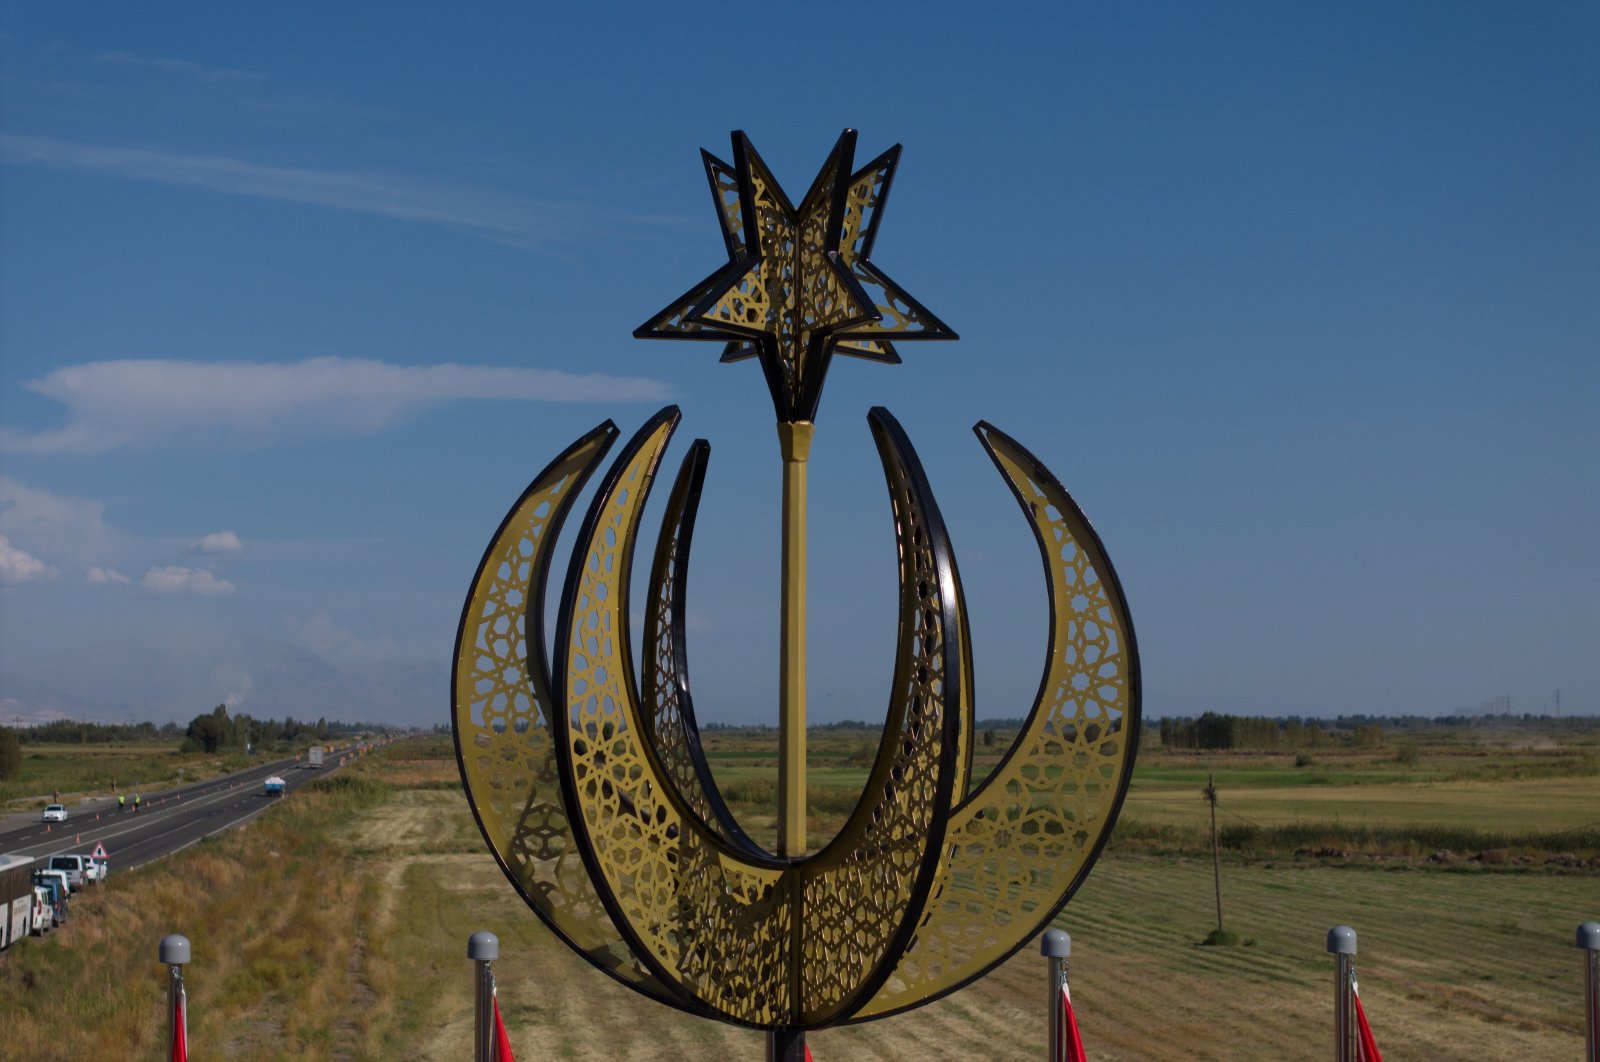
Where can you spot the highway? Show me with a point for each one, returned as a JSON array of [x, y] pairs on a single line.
[[167, 822]]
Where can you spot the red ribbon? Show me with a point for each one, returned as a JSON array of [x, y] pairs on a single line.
[[1366, 1046], [1071, 1042], [502, 1043], [180, 1036]]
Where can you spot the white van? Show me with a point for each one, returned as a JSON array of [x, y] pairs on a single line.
[[76, 868]]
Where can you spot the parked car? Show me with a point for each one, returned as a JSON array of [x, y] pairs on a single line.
[[43, 905], [54, 882], [76, 868], [57, 881], [55, 813]]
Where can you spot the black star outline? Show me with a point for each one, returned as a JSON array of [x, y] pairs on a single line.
[[799, 284]]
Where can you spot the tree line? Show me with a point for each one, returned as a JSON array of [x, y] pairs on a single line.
[[216, 730], [1220, 730]]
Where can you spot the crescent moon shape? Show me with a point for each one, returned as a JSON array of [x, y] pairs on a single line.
[[501, 708], [1024, 840], [737, 934], [668, 704]]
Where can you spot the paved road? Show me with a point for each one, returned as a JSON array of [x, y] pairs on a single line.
[[168, 821]]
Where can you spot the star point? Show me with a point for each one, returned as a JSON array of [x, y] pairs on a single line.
[[799, 285]]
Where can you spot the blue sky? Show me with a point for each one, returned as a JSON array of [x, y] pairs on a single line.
[[1301, 302]]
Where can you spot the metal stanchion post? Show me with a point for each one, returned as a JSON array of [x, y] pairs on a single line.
[[786, 1045], [483, 948], [1056, 945], [1589, 941], [1342, 943], [175, 953]]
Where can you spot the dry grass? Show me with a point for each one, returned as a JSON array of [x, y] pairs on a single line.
[[335, 927]]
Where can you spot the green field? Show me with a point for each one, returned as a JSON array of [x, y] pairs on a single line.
[[83, 771], [335, 927]]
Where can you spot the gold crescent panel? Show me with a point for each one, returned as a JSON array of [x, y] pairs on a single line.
[[738, 934], [502, 705], [1024, 840]]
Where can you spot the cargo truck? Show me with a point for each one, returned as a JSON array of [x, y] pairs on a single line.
[[314, 757], [273, 787]]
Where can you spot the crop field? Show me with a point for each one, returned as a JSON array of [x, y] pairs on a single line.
[[335, 926], [78, 771]]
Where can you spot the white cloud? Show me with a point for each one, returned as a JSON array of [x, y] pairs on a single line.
[[506, 218], [18, 566], [56, 526], [176, 580], [117, 403], [218, 542], [178, 67], [105, 576]]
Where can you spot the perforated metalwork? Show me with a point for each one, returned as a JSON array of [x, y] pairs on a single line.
[[501, 704], [1021, 843], [861, 894], [748, 937], [668, 705], [641, 843], [798, 285]]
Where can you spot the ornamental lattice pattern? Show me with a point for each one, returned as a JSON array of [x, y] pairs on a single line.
[[1022, 842], [501, 711]]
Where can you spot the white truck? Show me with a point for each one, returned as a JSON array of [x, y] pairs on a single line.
[[314, 757]]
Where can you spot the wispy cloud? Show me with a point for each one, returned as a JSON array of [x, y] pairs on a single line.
[[218, 542], [61, 528], [176, 67], [119, 403], [20, 566], [98, 576], [506, 218], [174, 579]]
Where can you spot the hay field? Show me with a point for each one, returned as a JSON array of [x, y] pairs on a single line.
[[335, 927]]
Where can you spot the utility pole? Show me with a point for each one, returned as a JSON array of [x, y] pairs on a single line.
[[1216, 863]]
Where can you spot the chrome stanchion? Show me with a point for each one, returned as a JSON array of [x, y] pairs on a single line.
[[483, 949], [175, 953], [1589, 941], [1056, 946], [1342, 943]]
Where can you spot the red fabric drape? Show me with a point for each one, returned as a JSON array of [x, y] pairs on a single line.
[[502, 1043], [180, 1035], [1367, 1047], [1071, 1041]]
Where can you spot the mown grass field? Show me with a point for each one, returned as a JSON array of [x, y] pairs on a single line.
[[79, 771], [335, 926]]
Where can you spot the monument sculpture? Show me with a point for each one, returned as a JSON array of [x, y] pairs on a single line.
[[588, 778]]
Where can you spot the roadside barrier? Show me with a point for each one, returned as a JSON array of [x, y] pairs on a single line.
[[1353, 1040], [175, 952]]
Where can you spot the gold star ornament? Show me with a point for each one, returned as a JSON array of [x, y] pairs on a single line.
[[799, 285]]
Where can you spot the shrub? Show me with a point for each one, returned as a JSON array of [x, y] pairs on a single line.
[[1304, 760], [1408, 755]]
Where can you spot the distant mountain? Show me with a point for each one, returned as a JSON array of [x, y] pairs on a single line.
[[176, 678]]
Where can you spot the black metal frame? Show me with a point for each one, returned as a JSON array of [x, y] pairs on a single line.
[[1089, 541], [539, 668], [741, 343], [682, 508]]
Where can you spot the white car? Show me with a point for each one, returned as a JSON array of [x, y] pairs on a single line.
[[55, 813]]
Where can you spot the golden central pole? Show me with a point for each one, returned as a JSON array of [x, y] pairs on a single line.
[[794, 438]]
